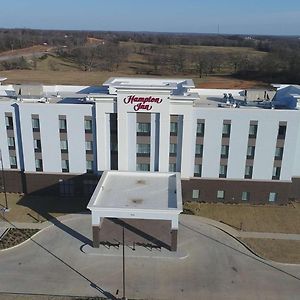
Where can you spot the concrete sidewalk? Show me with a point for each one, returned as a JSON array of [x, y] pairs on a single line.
[[226, 228]]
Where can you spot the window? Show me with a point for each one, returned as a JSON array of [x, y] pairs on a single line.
[[143, 128], [245, 196], [37, 145], [88, 125], [89, 146], [226, 130], [197, 170], [199, 150], [143, 149], [38, 165], [9, 122], [173, 149], [250, 152], [200, 129], [224, 151], [220, 194], [252, 131], [13, 162], [278, 153], [272, 197], [276, 173], [172, 167], [114, 147], [66, 188], [89, 166], [62, 125], [223, 171], [64, 146], [65, 165], [35, 124], [173, 128], [143, 167], [11, 143], [195, 194], [248, 172], [281, 131]]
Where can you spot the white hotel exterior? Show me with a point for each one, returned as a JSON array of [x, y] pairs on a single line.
[[59, 139]]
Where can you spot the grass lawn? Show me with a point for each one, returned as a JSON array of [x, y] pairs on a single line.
[[35, 209], [278, 250], [259, 218]]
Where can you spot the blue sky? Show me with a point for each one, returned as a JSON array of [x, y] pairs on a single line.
[[233, 16]]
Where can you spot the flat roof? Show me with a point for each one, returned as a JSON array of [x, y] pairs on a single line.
[[137, 191], [148, 83]]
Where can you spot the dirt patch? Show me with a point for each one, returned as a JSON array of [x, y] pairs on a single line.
[[25, 51], [259, 218], [283, 251]]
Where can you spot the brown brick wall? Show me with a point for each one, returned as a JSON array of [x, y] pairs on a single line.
[[259, 190]]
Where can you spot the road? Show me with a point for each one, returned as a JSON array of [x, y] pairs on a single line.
[[210, 265]]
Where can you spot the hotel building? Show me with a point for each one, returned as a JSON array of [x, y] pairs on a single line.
[[228, 145]]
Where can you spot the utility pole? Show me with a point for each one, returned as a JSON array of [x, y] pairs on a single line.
[[124, 297], [3, 182]]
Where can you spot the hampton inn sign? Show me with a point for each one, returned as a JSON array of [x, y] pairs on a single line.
[[142, 103]]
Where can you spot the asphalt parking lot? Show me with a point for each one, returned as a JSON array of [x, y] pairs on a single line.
[[210, 265]]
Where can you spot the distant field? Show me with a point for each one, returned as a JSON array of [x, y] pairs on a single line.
[[56, 70], [77, 77]]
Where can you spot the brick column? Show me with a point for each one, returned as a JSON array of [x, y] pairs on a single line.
[[174, 240], [96, 236]]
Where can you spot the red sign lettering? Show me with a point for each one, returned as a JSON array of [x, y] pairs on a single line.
[[141, 103]]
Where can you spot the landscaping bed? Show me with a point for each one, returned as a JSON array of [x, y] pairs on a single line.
[[16, 236]]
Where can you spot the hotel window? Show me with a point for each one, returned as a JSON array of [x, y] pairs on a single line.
[[13, 162], [252, 131], [248, 172], [224, 151], [199, 150], [66, 188], [173, 128], [273, 197], [62, 125], [226, 130], [276, 173], [195, 194], [250, 152], [143, 167], [37, 145], [197, 170], [200, 128], [11, 143], [88, 125], [281, 131], [64, 146], [38, 165], [89, 146], [114, 147], [173, 149], [143, 149], [9, 122], [223, 171], [245, 196], [172, 167], [65, 165], [143, 128], [89, 166], [35, 124], [221, 195], [278, 153]]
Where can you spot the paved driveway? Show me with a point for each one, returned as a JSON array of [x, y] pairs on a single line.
[[210, 265]]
